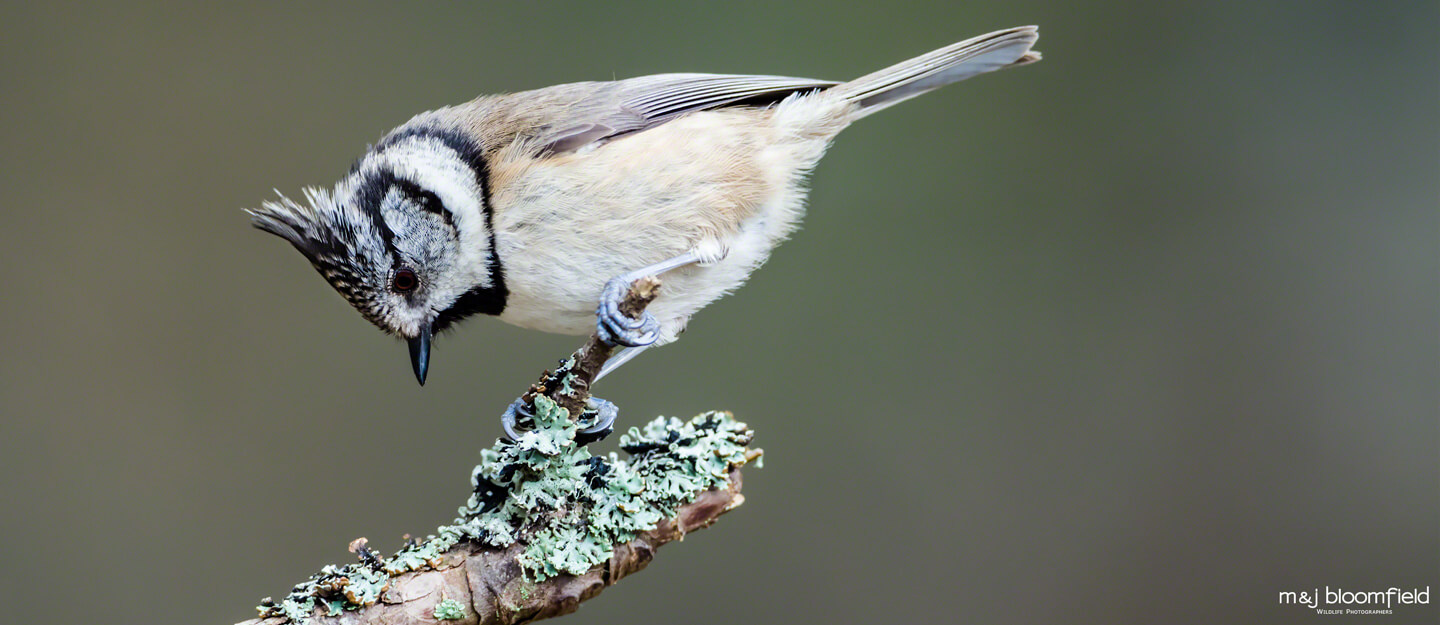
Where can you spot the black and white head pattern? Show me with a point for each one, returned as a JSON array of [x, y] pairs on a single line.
[[406, 237]]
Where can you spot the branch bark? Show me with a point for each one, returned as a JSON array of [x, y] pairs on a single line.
[[473, 582]]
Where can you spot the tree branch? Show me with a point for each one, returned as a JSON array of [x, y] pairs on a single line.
[[585, 363], [548, 525], [490, 587]]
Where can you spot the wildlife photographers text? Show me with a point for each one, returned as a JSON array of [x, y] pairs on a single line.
[[1341, 601]]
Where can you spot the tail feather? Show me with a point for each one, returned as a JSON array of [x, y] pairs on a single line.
[[953, 63]]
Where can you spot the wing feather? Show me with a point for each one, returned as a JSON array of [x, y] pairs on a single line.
[[601, 111]]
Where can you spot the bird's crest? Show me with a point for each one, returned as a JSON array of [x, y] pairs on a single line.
[[337, 238]]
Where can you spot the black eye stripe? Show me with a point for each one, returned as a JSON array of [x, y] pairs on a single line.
[[425, 199]]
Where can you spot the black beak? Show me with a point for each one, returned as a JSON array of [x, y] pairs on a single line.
[[420, 353]]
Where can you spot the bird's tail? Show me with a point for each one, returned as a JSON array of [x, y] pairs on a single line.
[[952, 63]]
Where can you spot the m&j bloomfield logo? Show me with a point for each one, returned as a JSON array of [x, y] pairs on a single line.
[[1341, 601]]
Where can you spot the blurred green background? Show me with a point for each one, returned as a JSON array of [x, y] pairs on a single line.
[[1146, 333]]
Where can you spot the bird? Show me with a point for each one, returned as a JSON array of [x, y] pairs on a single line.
[[540, 207]]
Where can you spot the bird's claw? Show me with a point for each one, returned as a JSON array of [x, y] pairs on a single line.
[[617, 328], [599, 413], [517, 410], [602, 415]]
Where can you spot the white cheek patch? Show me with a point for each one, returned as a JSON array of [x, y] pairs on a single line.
[[437, 168]]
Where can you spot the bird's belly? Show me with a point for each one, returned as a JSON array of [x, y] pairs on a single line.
[[559, 294]]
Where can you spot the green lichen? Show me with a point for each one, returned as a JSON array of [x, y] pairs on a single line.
[[576, 507], [568, 507], [449, 610]]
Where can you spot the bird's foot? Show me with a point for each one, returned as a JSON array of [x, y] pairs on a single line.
[[518, 410], [595, 423], [600, 415], [615, 327]]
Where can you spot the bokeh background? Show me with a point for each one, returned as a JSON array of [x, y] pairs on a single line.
[[1146, 333]]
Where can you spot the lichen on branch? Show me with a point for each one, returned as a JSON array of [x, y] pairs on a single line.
[[573, 507], [548, 524], [565, 509]]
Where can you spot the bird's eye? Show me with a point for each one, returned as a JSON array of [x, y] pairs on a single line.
[[404, 281]]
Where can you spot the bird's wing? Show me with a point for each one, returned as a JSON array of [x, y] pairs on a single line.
[[600, 111]]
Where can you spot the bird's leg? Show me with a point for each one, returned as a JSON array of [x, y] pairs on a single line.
[[596, 416], [613, 326]]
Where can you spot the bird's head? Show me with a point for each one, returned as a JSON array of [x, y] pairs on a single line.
[[405, 238]]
